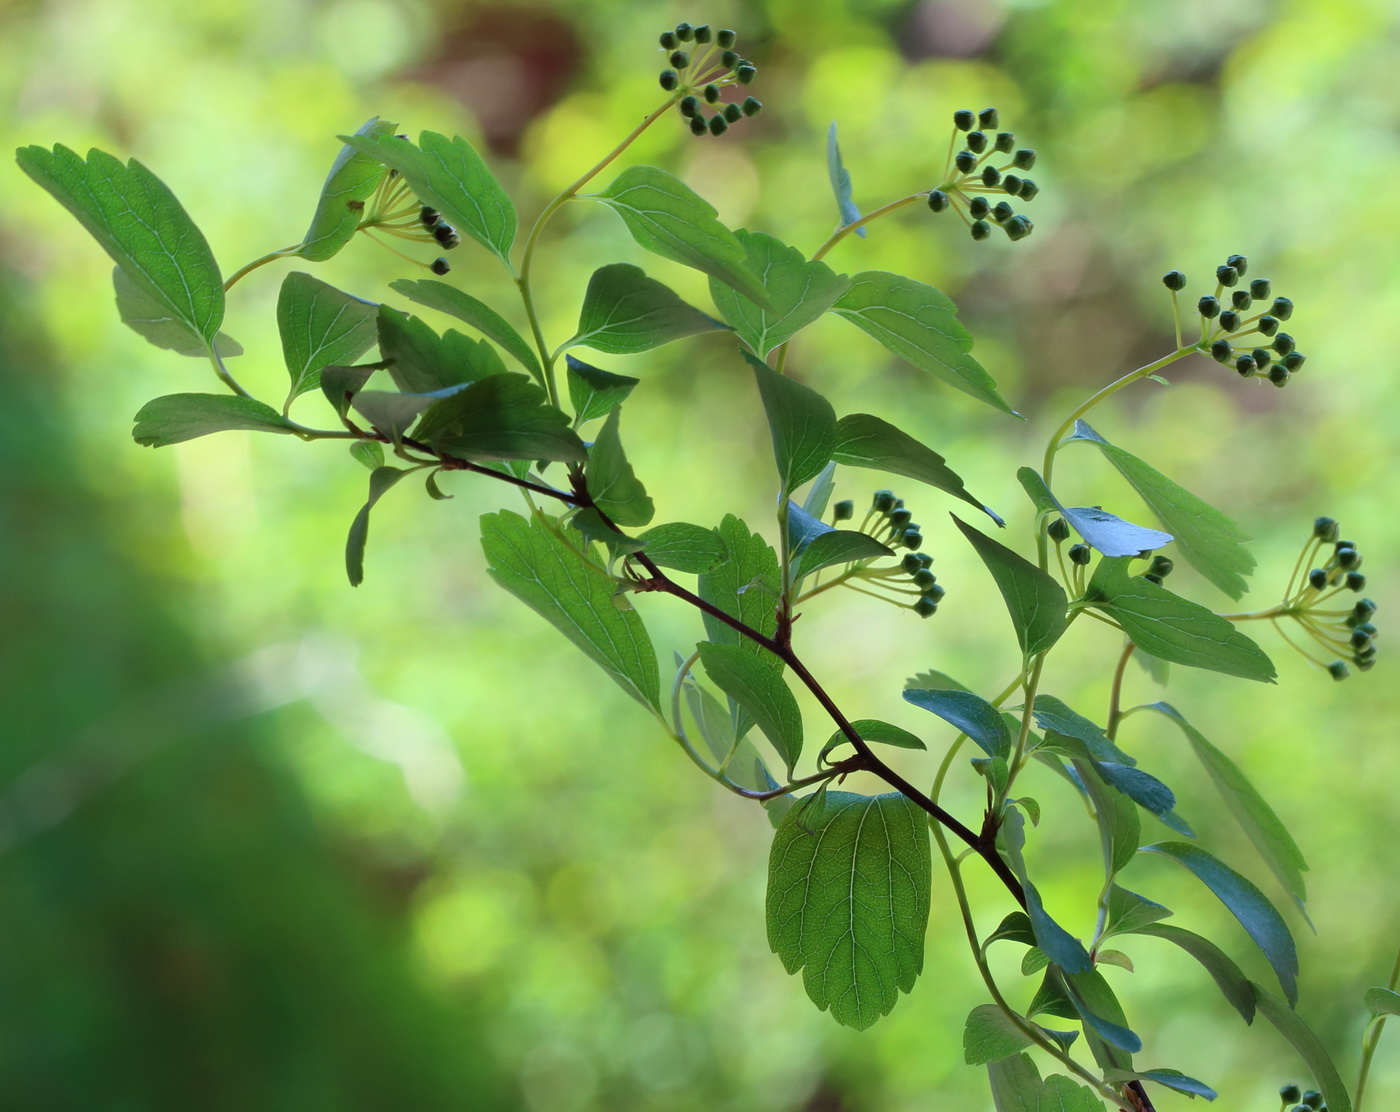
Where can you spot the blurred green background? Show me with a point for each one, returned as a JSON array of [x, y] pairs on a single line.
[[268, 842]]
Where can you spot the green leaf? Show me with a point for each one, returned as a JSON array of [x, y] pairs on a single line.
[[684, 547], [147, 317], [873, 730], [799, 291], [420, 361], [1034, 486], [1258, 820], [1051, 998], [715, 723], [970, 713], [593, 392], [370, 453], [1228, 977], [341, 384], [625, 312], [179, 417], [841, 182], [848, 900], [613, 485], [320, 326], [762, 692], [1036, 602], [381, 479], [1103, 1016], [744, 587], [1171, 1079], [448, 175], [501, 417], [1246, 903], [1015, 927], [1127, 911], [991, 1035], [1015, 1084], [819, 493], [668, 218], [1383, 1001], [452, 301], [840, 546], [139, 223], [1170, 627], [920, 325], [1210, 541], [574, 595], [391, 413], [1061, 1094], [1313, 1053], [352, 178], [802, 423], [1115, 815], [866, 441], [1110, 534], [1058, 944], [1052, 714]]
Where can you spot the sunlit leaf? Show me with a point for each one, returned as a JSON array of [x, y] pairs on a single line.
[[1015, 1084], [594, 392], [381, 479], [454, 302], [841, 182], [840, 546], [353, 177], [1058, 944], [153, 321], [1127, 911], [762, 692], [320, 326], [801, 421], [744, 587], [1291, 1026], [1037, 603], [990, 1035], [501, 417], [420, 361], [970, 713], [873, 730], [684, 547], [612, 483], [178, 417], [625, 312]]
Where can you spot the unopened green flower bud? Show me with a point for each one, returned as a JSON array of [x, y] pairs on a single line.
[[1174, 280], [439, 265], [685, 32], [925, 607], [729, 59], [1028, 190], [1368, 628], [698, 125], [1365, 666], [911, 538], [428, 216], [733, 113], [1012, 184], [1363, 610], [1227, 275], [1002, 212], [937, 200], [988, 119], [1284, 343], [1238, 263], [843, 510], [745, 72], [1261, 357], [925, 559], [1240, 300], [1338, 670], [711, 93], [1059, 530], [1222, 351], [1018, 227], [1289, 1094], [669, 40], [1208, 307], [680, 59], [965, 161], [935, 592], [977, 141], [1279, 375], [751, 106], [980, 229], [689, 106], [1080, 554], [446, 235], [1267, 325], [1229, 320], [1246, 366], [1162, 565], [1260, 288], [911, 564], [1294, 360], [1152, 578], [1348, 557], [725, 38], [900, 518], [1312, 1098], [1359, 639], [1317, 579], [703, 33], [924, 578], [669, 79], [963, 119], [883, 502], [1023, 159], [1356, 581], [991, 176], [1281, 308], [1005, 141], [718, 125], [979, 207]]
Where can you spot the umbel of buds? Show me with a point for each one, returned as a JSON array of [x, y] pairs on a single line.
[[1240, 323], [392, 210], [988, 165], [910, 582], [701, 64], [1319, 604]]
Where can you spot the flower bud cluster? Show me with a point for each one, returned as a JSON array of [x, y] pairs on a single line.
[[394, 211], [701, 62], [1348, 633], [910, 582], [1240, 323], [990, 164], [1311, 1101]]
